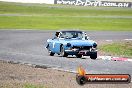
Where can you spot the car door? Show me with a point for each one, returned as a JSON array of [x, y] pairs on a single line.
[[55, 43], [56, 46]]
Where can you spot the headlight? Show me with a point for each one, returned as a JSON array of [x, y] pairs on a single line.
[[94, 45], [68, 45]]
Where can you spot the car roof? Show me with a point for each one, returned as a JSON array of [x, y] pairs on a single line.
[[69, 31]]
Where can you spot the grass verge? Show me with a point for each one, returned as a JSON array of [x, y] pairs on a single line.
[[62, 10], [119, 48], [52, 17], [33, 86], [42, 22]]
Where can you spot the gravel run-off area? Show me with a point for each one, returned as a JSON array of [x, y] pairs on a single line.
[[19, 75]]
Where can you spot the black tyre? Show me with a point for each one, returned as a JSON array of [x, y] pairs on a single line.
[[78, 55], [93, 55], [49, 51], [51, 54], [62, 52], [81, 80]]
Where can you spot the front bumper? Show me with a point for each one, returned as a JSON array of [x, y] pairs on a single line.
[[87, 52], [81, 52]]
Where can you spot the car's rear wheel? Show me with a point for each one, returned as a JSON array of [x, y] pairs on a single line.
[[93, 55], [62, 52], [78, 55], [51, 54], [49, 51]]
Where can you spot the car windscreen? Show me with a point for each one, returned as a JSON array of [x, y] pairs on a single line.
[[71, 34]]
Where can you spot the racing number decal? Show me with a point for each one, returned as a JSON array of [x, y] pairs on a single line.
[[53, 44]]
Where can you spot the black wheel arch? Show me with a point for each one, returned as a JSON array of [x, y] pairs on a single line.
[[47, 46]]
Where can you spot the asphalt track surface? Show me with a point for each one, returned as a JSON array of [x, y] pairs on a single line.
[[28, 46]]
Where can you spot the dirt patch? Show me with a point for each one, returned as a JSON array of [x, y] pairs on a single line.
[[18, 75]]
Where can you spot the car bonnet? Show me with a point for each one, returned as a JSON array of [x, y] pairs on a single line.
[[79, 42]]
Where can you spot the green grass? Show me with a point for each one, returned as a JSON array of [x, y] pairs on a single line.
[[41, 22], [120, 48], [22, 85], [62, 10], [33, 86], [52, 17]]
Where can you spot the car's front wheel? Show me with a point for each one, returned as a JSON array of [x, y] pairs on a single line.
[[78, 55], [93, 55], [62, 51]]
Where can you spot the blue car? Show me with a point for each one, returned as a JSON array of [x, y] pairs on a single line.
[[70, 42]]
